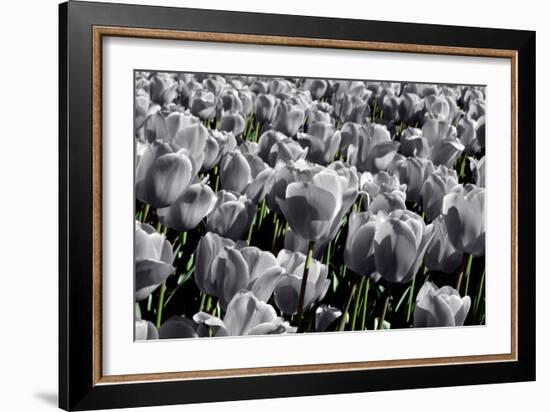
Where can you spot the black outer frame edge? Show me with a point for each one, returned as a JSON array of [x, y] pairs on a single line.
[[63, 389], [76, 20]]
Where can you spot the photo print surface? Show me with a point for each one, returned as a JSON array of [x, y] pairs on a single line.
[[271, 205]]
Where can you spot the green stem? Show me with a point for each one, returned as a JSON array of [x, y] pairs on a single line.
[[250, 229], [410, 299], [365, 303], [387, 294], [217, 184], [478, 295], [357, 301], [302, 295], [468, 270], [160, 304], [203, 301], [145, 213], [342, 323], [275, 231], [466, 264]]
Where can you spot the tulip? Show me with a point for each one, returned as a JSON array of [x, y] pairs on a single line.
[[194, 204], [349, 135], [209, 247], [286, 151], [390, 108], [233, 122], [264, 108], [375, 149], [412, 171], [288, 119], [436, 186], [231, 216], [298, 171], [321, 141], [145, 330], [247, 99], [163, 88], [381, 182], [317, 87], [162, 176], [467, 132], [245, 315], [464, 214], [411, 108], [478, 170], [440, 307], [314, 114], [310, 207], [244, 268], [350, 108], [442, 139], [325, 315], [231, 101], [400, 242], [441, 255], [153, 258], [218, 143], [414, 144], [287, 291], [266, 142], [178, 327], [359, 250], [203, 104], [193, 139], [387, 202], [177, 121], [279, 86], [235, 172]]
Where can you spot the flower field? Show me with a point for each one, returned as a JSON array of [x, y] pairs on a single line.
[[288, 205]]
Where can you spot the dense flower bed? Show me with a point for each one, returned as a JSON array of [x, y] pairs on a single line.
[[280, 205]]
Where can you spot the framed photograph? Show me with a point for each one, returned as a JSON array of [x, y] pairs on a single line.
[[257, 205]]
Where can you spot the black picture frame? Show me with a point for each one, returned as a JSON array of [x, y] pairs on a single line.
[[77, 390]]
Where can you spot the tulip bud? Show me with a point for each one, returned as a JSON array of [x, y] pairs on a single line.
[[440, 307], [246, 268], [321, 141], [441, 255], [145, 330], [442, 139], [235, 172], [435, 187], [375, 149], [264, 108], [153, 260], [359, 251], [287, 290], [464, 213], [288, 119], [325, 316], [317, 87], [412, 171], [233, 122], [162, 176], [478, 170], [203, 105], [245, 315], [310, 207], [400, 242], [195, 203], [231, 216], [413, 144], [163, 88], [210, 246]]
